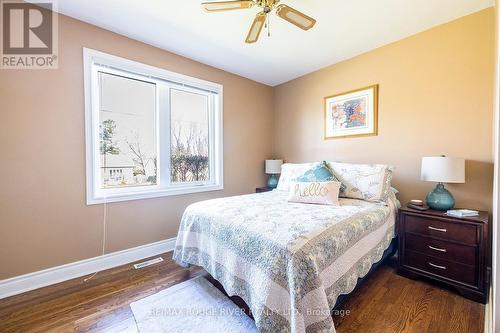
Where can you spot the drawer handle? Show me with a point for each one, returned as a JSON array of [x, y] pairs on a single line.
[[437, 266], [436, 229], [437, 249]]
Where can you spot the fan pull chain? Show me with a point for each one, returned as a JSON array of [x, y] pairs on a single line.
[[268, 26]]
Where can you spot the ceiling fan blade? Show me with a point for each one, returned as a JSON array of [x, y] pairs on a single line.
[[256, 28], [295, 17], [220, 6]]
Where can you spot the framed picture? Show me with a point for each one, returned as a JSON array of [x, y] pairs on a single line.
[[352, 113]]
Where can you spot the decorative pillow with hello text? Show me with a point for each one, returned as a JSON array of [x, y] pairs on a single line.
[[321, 193]]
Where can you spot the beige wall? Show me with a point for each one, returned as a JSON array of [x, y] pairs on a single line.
[[44, 220], [435, 97]]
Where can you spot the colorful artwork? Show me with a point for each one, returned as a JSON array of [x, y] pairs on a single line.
[[351, 114]]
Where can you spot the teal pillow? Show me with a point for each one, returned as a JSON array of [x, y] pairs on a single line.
[[319, 173]]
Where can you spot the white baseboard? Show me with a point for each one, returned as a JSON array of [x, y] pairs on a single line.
[[46, 277]]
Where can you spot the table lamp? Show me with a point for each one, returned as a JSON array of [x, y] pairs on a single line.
[[442, 169], [273, 168]]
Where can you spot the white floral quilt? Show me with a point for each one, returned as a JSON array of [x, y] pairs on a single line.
[[288, 261]]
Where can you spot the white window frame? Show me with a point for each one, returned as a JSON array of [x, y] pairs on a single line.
[[95, 62]]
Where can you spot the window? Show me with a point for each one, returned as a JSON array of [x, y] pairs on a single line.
[[127, 131], [149, 132]]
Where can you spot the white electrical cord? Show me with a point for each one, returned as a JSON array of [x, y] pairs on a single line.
[[105, 215]]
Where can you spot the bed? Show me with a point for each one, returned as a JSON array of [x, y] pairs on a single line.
[[289, 262]]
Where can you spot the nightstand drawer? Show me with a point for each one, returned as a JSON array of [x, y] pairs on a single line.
[[437, 228], [463, 254], [440, 267]]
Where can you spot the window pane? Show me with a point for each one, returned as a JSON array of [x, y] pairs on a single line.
[[127, 123], [189, 137]]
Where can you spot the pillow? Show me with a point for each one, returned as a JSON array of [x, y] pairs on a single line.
[[319, 173], [371, 182], [290, 171], [323, 193]]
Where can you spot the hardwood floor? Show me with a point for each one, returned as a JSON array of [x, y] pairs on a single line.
[[386, 303], [391, 303]]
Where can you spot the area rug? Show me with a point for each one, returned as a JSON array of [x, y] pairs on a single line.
[[192, 306]]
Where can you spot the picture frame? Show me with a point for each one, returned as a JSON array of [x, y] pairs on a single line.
[[351, 114]]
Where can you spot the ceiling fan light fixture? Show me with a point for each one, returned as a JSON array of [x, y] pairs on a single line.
[[287, 13]]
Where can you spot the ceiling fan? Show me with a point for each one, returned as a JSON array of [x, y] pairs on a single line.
[[285, 12]]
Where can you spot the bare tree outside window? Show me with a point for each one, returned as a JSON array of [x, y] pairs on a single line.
[[189, 155], [189, 137], [139, 158]]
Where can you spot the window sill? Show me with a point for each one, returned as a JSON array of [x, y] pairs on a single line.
[[94, 200]]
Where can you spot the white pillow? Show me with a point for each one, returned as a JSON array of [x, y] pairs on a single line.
[[371, 182], [322, 193], [290, 171]]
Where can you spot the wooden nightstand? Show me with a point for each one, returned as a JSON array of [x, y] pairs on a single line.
[[444, 248], [263, 189]]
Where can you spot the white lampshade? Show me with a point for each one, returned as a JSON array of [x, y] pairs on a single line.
[[442, 169], [273, 167]]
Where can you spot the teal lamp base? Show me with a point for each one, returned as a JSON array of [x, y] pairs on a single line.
[[440, 198], [272, 182]]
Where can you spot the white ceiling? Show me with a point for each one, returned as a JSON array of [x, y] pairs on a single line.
[[345, 28]]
